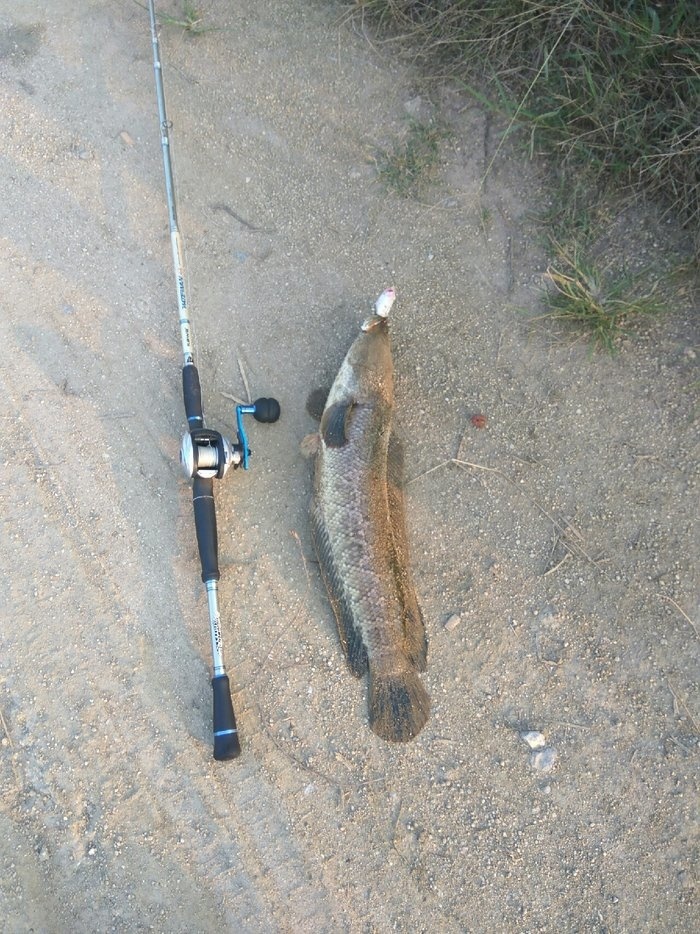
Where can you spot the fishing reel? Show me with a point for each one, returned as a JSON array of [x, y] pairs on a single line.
[[206, 453]]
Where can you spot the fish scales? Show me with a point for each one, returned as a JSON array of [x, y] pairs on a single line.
[[352, 488], [359, 534]]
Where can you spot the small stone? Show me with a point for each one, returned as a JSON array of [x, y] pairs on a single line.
[[452, 622], [534, 739], [544, 760], [547, 614]]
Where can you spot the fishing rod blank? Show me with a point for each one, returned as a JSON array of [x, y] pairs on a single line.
[[205, 454]]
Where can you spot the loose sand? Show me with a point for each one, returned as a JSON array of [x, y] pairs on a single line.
[[558, 542]]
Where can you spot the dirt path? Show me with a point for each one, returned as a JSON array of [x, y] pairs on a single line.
[[560, 539]]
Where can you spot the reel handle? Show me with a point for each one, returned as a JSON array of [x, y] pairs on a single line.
[[262, 410], [266, 410]]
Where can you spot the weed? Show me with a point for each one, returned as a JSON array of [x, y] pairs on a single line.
[[612, 86], [599, 301], [410, 165], [485, 218], [191, 20]]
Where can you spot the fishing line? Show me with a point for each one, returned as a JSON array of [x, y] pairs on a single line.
[[205, 454]]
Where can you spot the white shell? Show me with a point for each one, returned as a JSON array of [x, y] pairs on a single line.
[[534, 739], [544, 760]]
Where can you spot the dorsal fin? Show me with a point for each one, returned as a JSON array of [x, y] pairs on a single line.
[[350, 635], [415, 641]]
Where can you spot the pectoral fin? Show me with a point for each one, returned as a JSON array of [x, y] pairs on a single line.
[[335, 423], [316, 402]]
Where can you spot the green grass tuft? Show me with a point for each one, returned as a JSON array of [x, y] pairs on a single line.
[[409, 167], [191, 20], [612, 88], [603, 304]]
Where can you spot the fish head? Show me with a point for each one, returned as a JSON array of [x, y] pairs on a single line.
[[368, 362], [365, 380]]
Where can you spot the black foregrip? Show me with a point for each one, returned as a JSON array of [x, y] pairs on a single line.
[[205, 526], [226, 744], [192, 394]]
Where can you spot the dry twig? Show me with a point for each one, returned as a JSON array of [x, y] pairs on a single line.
[[680, 609], [566, 529]]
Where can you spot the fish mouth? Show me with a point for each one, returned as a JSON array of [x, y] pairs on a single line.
[[382, 307]]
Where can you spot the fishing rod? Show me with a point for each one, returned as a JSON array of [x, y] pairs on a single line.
[[205, 454]]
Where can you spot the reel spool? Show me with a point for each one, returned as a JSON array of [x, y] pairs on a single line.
[[207, 453]]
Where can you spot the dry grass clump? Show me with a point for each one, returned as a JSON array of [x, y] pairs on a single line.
[[610, 86]]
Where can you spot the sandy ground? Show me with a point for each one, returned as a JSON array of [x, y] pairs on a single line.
[[561, 549]]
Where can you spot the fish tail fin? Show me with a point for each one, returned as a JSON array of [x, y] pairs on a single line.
[[399, 705]]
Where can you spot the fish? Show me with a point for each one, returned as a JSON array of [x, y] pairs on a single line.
[[358, 529]]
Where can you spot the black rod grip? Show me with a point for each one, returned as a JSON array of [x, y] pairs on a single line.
[[205, 526], [226, 744], [192, 395]]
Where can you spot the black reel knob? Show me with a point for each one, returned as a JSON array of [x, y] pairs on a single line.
[[266, 410]]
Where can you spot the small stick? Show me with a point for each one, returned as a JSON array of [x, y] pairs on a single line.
[[432, 470], [392, 839], [293, 620], [680, 744], [681, 703], [680, 610], [480, 467], [569, 723], [7, 732], [220, 206], [562, 528], [302, 765], [567, 527], [227, 395], [454, 460], [295, 536], [245, 381], [558, 564], [394, 823]]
